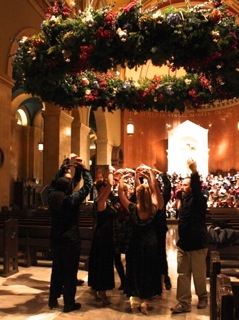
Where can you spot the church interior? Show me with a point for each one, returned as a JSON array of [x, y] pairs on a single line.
[[36, 136]]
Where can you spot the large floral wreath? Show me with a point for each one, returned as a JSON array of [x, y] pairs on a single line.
[[68, 62]]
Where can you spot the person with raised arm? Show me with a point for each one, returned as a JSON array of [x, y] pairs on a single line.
[[65, 236], [101, 259], [192, 244], [143, 273]]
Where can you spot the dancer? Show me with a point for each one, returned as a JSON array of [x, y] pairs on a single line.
[[101, 260], [65, 238], [143, 267]]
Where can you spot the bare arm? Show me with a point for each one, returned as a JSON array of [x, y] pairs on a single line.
[[123, 198], [101, 201], [157, 197]]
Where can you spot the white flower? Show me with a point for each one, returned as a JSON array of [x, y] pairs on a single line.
[[187, 81], [157, 14], [53, 18], [122, 34], [23, 40], [88, 91]]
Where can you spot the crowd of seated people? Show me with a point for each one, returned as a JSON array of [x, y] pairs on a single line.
[[221, 190]]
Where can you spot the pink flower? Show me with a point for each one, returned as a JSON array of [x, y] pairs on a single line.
[[127, 8]]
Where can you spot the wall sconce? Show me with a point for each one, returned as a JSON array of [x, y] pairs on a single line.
[[40, 146], [68, 132], [130, 127]]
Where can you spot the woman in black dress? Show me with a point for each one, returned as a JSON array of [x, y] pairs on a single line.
[[143, 273], [101, 259]]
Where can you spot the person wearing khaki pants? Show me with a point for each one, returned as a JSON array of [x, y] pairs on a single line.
[[189, 263], [192, 243]]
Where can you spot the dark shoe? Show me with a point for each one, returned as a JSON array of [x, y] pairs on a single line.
[[167, 282], [202, 304], [72, 307], [80, 282], [53, 303], [179, 308]]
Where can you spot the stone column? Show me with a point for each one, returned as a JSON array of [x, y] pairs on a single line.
[[6, 85], [80, 143], [57, 140], [104, 153]]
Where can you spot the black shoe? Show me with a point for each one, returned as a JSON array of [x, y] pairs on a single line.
[[53, 303], [80, 282], [72, 307], [167, 283]]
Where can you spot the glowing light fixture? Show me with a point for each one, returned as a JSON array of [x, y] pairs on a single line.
[[130, 127], [40, 146]]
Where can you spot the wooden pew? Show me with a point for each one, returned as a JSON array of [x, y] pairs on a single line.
[[9, 246], [34, 233], [224, 290], [225, 298], [228, 252]]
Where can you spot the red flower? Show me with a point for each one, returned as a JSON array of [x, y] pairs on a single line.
[[91, 97], [86, 51], [204, 81], [193, 93], [127, 8], [110, 18], [216, 15], [38, 43], [156, 79], [103, 84], [104, 33]]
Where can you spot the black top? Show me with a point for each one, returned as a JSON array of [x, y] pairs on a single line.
[[192, 229], [64, 211]]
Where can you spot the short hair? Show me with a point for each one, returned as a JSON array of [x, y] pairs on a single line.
[[64, 184], [100, 183]]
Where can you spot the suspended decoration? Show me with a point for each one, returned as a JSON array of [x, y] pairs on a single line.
[[69, 62]]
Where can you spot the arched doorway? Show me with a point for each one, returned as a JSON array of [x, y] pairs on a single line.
[[187, 140]]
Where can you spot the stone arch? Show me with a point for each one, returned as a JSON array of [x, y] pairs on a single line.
[[22, 116]]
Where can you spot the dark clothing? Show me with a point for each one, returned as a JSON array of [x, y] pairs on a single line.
[[143, 265], [122, 226], [122, 230], [163, 223], [192, 215], [222, 237], [65, 240], [62, 171], [101, 260]]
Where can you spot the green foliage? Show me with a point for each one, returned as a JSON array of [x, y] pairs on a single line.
[[68, 62]]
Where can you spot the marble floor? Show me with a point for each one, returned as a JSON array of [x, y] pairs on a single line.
[[24, 296]]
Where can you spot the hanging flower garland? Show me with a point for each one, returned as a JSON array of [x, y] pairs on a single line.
[[67, 63]]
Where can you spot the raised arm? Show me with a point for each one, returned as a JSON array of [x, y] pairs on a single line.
[[122, 196], [80, 195], [157, 197], [101, 201]]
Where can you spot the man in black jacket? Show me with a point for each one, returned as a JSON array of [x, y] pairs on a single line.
[[65, 237], [192, 243]]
